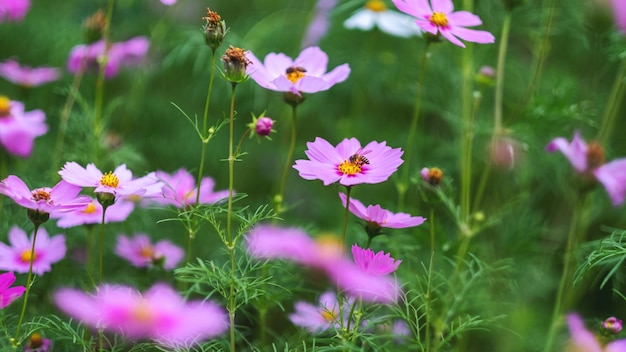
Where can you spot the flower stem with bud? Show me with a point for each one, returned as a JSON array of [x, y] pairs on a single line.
[[279, 199]]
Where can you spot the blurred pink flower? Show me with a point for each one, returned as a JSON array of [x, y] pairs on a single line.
[[583, 340], [612, 325], [588, 159], [318, 27], [140, 251], [376, 14], [91, 213], [159, 314], [321, 317], [18, 129], [619, 12], [13, 10], [61, 198], [26, 76], [9, 294], [179, 189], [305, 74], [374, 263], [17, 257], [168, 2], [347, 163], [88, 57], [439, 19], [37, 343], [377, 217]]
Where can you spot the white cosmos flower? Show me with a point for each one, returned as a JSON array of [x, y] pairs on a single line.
[[376, 14]]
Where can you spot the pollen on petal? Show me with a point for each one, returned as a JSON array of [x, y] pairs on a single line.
[[349, 168]]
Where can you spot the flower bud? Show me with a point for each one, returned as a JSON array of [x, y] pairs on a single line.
[[94, 27], [612, 325], [433, 175], [214, 29], [235, 64], [105, 199], [37, 217], [264, 126], [486, 76], [506, 153]]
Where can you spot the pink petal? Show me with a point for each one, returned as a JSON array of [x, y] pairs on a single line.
[[613, 177], [464, 19], [444, 6], [473, 35], [314, 60]]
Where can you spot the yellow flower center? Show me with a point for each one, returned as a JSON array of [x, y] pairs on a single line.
[[35, 341], [146, 252], [376, 5], [329, 246], [142, 312], [439, 19], [41, 194], [294, 73], [348, 167], [329, 315], [109, 180], [91, 208], [5, 106], [27, 256]]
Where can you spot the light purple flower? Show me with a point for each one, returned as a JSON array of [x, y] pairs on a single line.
[[91, 213], [140, 251], [379, 217], [168, 2], [9, 294], [13, 10], [159, 314], [376, 264], [17, 256], [18, 128], [439, 19], [588, 159], [61, 198], [584, 340], [321, 317], [348, 163], [88, 57], [612, 325], [26, 76], [119, 182], [619, 12], [320, 23], [305, 74], [179, 189], [376, 14]]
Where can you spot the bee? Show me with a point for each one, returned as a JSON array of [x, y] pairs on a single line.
[[294, 69], [358, 158]]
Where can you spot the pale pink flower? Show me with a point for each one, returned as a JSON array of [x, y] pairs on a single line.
[[61, 198], [612, 325], [9, 294], [17, 256], [119, 182], [168, 2], [179, 189], [91, 213], [13, 10], [26, 76], [140, 251], [320, 23], [321, 317], [121, 54], [18, 128], [583, 340], [376, 217]]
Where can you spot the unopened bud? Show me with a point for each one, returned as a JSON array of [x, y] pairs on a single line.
[[235, 64], [612, 325], [433, 175], [214, 29], [94, 27]]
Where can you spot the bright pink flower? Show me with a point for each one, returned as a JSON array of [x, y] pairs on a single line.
[[305, 74], [159, 314], [263, 126], [321, 317], [17, 257], [60, 198], [18, 129], [9, 294], [584, 340], [380, 217], [88, 57], [179, 189], [372, 263], [612, 325], [589, 160], [619, 12], [91, 213], [140, 251], [348, 163], [26, 76], [13, 10], [439, 19]]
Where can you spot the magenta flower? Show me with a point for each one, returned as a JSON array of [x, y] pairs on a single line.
[[584, 340], [18, 129], [305, 74], [91, 213], [439, 19], [168, 2], [321, 317], [140, 251], [17, 257], [348, 163], [60, 198], [88, 57], [26, 76], [612, 325], [374, 264], [9, 294], [619, 11], [119, 182], [13, 10], [159, 314], [589, 161], [179, 189], [263, 126]]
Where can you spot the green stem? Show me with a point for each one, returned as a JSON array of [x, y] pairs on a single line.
[[279, 199], [104, 210], [466, 133], [230, 243], [65, 117], [345, 216], [431, 221], [504, 40], [612, 108], [90, 252], [403, 185], [205, 139], [28, 286]]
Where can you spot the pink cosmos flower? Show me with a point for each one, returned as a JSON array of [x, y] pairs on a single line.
[[13, 10], [159, 314], [321, 317], [374, 264], [348, 162], [305, 74], [60, 198], [26, 76], [88, 57], [377, 217], [619, 11], [588, 159], [612, 325], [18, 129], [376, 14], [325, 254], [584, 340], [9, 294], [140, 252], [439, 19], [119, 182], [179, 189], [17, 256], [91, 213]]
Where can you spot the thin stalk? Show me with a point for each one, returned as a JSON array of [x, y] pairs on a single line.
[[466, 133], [29, 282], [345, 216], [205, 138], [403, 185], [279, 200], [612, 108], [65, 116], [431, 221], [230, 244], [90, 252], [104, 210]]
